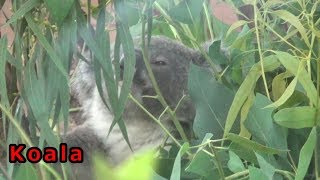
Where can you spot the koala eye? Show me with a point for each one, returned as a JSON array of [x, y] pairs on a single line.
[[160, 63]]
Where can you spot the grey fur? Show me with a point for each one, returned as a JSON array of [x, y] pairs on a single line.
[[170, 62]]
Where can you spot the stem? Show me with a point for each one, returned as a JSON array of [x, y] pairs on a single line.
[[287, 174], [220, 169], [155, 120], [208, 18], [237, 175], [145, 54], [259, 49]]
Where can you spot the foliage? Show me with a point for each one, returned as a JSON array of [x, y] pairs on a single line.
[[257, 118]]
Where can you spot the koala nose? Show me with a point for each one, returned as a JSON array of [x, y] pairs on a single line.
[[141, 78]]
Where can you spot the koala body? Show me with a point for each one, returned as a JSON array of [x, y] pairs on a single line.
[[170, 62]]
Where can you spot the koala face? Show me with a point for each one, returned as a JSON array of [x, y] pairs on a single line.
[[169, 62]]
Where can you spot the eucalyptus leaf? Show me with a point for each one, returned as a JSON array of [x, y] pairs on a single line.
[[215, 53], [235, 164], [270, 63], [26, 171], [176, 170], [251, 145], [306, 154], [294, 21], [266, 168], [25, 8], [293, 65], [3, 85], [297, 117], [255, 173], [59, 9], [261, 126], [187, 11], [207, 95]]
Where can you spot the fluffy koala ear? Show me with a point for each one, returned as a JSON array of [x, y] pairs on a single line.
[[199, 60]]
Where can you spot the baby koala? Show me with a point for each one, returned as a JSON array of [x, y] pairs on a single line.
[[170, 62]]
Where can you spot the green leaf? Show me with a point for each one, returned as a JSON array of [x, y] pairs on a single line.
[[251, 145], [235, 26], [129, 67], [296, 67], [26, 171], [235, 164], [187, 11], [3, 60], [266, 168], [215, 53], [207, 95], [176, 170], [306, 154], [59, 9], [66, 43], [255, 173], [25, 7], [131, 11], [297, 117], [279, 84], [201, 160], [44, 42], [286, 95], [260, 124], [294, 21]]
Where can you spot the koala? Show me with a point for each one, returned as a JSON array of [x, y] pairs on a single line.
[[170, 62]]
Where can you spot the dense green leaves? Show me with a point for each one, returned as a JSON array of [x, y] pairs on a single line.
[[270, 63]]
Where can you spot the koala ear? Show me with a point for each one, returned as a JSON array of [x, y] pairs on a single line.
[[199, 59]]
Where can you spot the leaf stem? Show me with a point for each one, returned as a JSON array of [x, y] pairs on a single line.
[[145, 54]]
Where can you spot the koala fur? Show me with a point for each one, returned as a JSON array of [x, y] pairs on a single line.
[[170, 62]]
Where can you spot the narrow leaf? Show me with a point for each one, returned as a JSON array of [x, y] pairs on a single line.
[[54, 56], [175, 175], [25, 7], [297, 117], [253, 145], [294, 21], [306, 155]]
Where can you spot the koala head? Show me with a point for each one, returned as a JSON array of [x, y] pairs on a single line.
[[169, 62]]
